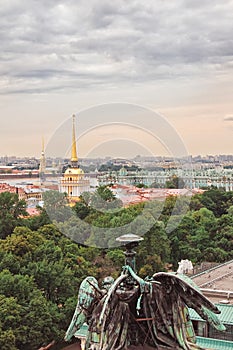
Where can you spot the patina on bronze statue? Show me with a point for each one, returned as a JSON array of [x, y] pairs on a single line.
[[144, 347], [133, 313], [78, 347]]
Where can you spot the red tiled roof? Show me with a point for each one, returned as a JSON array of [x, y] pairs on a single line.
[[7, 188], [32, 211], [133, 195]]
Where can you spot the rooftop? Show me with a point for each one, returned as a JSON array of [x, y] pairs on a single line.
[[208, 343], [226, 315], [217, 282]]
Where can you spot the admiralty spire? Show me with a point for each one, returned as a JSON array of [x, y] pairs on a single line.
[[74, 182], [74, 157]]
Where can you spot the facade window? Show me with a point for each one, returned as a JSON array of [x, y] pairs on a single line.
[[200, 328], [227, 335]]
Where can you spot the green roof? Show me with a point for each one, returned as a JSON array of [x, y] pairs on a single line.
[[225, 317], [206, 343], [209, 343]]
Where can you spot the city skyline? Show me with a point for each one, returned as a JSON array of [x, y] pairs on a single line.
[[59, 59], [157, 158]]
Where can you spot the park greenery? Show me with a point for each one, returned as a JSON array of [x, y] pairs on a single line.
[[41, 268]]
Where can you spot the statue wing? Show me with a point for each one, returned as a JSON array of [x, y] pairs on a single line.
[[206, 313], [191, 295], [166, 305], [86, 297]]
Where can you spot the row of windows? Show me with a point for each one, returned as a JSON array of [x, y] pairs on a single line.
[[202, 329]]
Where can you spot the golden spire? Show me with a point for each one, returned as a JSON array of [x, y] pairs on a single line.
[[74, 157]]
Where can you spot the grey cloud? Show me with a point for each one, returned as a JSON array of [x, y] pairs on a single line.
[[228, 118], [104, 43]]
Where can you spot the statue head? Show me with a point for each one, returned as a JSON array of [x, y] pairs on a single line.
[[107, 282]]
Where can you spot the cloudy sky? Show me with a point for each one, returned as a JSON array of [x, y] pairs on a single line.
[[62, 57]]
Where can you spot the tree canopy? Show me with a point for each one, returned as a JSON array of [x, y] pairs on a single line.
[[42, 266], [11, 210]]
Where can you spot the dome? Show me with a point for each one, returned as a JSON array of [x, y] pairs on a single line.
[[123, 171], [74, 171]]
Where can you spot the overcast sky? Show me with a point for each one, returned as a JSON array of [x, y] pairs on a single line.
[[61, 57]]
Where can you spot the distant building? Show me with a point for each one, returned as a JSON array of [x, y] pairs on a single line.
[[216, 283], [42, 161], [4, 187], [31, 194], [134, 195], [74, 181], [203, 329]]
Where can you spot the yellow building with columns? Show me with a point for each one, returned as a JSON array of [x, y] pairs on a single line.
[[74, 182]]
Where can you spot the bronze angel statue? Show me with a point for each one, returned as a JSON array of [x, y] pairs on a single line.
[[133, 313]]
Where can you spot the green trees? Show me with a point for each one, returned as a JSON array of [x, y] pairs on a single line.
[[154, 250], [39, 272], [204, 234], [11, 208], [37, 221], [56, 206], [175, 182], [205, 222], [218, 201], [81, 209], [25, 316], [21, 242], [41, 268], [103, 199], [9, 319]]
